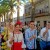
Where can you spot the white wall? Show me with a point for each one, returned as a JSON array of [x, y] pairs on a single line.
[[28, 9], [42, 19], [49, 5], [43, 5]]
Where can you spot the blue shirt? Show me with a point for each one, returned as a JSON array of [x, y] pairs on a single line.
[[31, 44]]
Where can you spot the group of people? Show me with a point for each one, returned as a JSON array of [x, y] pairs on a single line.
[[22, 38]]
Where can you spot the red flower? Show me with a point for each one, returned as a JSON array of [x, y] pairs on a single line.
[[19, 22]]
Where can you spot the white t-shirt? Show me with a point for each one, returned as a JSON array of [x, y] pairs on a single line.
[[47, 36]]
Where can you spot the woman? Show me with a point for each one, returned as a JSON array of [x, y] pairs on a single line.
[[16, 39]]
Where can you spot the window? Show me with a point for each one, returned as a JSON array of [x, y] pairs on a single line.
[[45, 22]]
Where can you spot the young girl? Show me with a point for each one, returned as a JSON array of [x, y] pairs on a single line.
[[16, 41]]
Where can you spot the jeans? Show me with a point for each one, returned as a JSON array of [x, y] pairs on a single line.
[[45, 45]]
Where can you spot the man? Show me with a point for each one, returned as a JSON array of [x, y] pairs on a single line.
[[30, 36], [45, 37]]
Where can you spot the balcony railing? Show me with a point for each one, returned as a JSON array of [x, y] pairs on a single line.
[[42, 14]]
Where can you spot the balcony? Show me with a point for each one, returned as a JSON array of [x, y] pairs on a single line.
[[42, 14]]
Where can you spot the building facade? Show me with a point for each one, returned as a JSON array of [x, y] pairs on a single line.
[[42, 12], [27, 13]]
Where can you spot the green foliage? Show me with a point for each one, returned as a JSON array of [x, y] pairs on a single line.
[[6, 5]]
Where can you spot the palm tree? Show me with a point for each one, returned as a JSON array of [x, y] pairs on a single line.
[[7, 6], [18, 8], [12, 4], [18, 18], [0, 13], [4, 8]]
